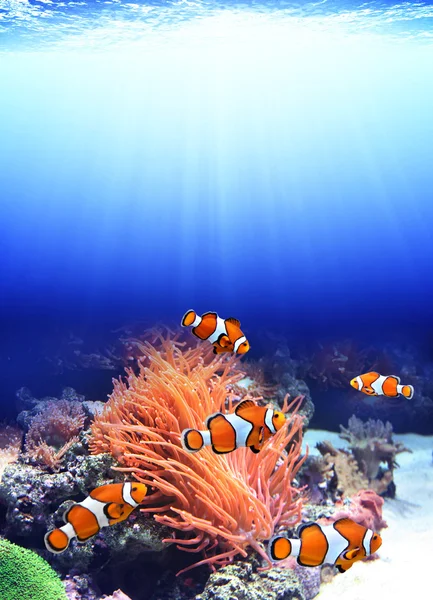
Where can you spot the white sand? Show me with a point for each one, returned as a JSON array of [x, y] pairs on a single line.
[[405, 568]]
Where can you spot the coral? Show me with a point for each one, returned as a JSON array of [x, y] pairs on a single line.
[[240, 581], [79, 587], [346, 478], [310, 579], [31, 495], [53, 431], [369, 462], [25, 575], [372, 445], [10, 446], [219, 504], [316, 475], [117, 595], [365, 508]]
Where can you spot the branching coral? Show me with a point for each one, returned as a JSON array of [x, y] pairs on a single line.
[[219, 504], [372, 444], [53, 431], [368, 463]]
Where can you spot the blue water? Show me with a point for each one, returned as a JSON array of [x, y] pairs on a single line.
[[270, 161]]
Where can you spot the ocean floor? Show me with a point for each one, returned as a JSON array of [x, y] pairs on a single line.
[[405, 567]]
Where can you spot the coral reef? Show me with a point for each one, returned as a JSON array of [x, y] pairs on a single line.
[[25, 575], [365, 508], [219, 504], [31, 495], [368, 463], [53, 431], [10, 446], [372, 445], [241, 581]]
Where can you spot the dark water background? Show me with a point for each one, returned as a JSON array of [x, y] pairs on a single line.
[[270, 161]]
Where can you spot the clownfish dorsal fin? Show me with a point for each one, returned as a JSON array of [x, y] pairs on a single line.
[[243, 406], [67, 511], [212, 417], [352, 554], [304, 526], [397, 378], [306, 530], [233, 321]]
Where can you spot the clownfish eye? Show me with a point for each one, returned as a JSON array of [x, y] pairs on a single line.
[[134, 489]]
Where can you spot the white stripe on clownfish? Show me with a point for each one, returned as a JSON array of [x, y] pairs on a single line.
[[238, 342], [126, 494], [377, 385], [336, 543], [220, 329], [196, 321], [242, 428], [96, 508], [268, 420], [366, 542]]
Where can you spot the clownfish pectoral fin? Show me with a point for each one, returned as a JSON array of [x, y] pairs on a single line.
[[218, 350], [367, 389], [113, 510], [261, 435], [243, 406], [233, 321], [224, 340], [352, 554]]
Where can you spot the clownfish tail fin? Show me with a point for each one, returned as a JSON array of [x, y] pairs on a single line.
[[192, 440], [188, 318], [56, 540], [279, 548], [407, 391]]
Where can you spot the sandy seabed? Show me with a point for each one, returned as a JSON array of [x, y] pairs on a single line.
[[404, 570]]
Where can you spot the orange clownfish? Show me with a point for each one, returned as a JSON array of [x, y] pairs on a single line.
[[249, 425], [341, 544], [224, 334], [374, 384], [106, 505]]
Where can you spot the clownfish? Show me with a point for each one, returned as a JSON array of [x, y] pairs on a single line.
[[106, 505], [374, 384], [341, 544], [224, 334], [249, 425]]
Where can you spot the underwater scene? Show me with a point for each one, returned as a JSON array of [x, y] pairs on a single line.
[[216, 300]]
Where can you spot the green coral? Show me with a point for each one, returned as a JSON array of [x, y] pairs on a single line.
[[24, 575]]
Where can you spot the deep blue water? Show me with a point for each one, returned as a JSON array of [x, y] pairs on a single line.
[[270, 161]]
